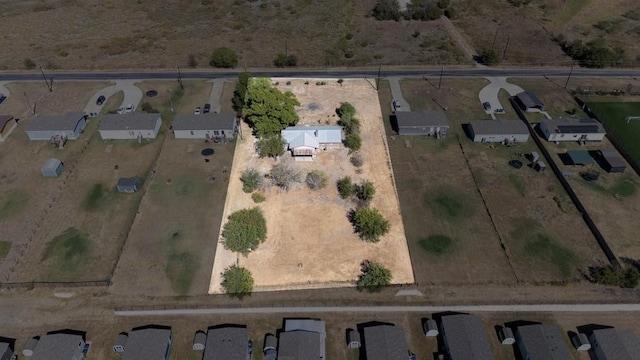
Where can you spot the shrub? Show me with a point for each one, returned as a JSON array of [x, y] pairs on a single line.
[[488, 56], [443, 4], [223, 57], [346, 110], [624, 277], [316, 180], [191, 61], [374, 276], [365, 191], [258, 197], [28, 64], [346, 189], [284, 176], [240, 92], [251, 180], [244, 231], [353, 142], [237, 281], [386, 10], [357, 160], [283, 60], [271, 146], [369, 224]]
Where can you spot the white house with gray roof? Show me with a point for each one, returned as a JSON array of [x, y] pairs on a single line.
[[227, 343], [45, 127], [304, 141], [570, 129], [59, 346], [426, 122], [134, 125], [465, 337], [542, 342], [612, 343], [205, 126], [385, 342], [149, 343], [302, 339], [488, 131]]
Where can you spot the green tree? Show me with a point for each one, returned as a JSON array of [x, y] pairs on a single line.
[[346, 110], [370, 224], [283, 60], [353, 142], [251, 180], [223, 57], [28, 64], [244, 231], [365, 191], [443, 4], [346, 189], [237, 281], [386, 10], [374, 276], [267, 109], [191, 61], [271, 146], [316, 180], [240, 92], [424, 10], [489, 56]]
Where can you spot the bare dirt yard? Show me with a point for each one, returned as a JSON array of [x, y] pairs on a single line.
[[310, 242]]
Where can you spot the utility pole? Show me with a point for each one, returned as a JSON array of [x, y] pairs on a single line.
[[495, 37], [569, 77], [286, 50], [441, 73], [179, 78], [504, 52], [378, 79], [49, 86]]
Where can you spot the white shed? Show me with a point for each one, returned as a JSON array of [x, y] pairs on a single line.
[[506, 336], [199, 341], [430, 328], [135, 125], [581, 342]]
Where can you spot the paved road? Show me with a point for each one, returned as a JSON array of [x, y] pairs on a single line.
[[340, 73], [389, 309]]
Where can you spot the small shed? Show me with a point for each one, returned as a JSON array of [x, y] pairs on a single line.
[[121, 342], [539, 166], [430, 328], [29, 347], [534, 156], [128, 185], [52, 168], [270, 347], [353, 339], [613, 161], [581, 342], [579, 157], [506, 336], [199, 341]]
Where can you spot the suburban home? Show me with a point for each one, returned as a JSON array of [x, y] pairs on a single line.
[[52, 168], [464, 337], [6, 352], [48, 127], [207, 126], [128, 185], [426, 122], [148, 343], [503, 131], [304, 141], [541, 342], [133, 125], [385, 342], [7, 124], [612, 343], [302, 339], [570, 129], [59, 346], [528, 101], [229, 342], [613, 161]]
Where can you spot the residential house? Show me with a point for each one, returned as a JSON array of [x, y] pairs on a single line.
[[133, 125], [541, 342], [302, 339], [385, 342], [570, 129], [504, 131], [614, 344], [59, 346], [528, 101], [304, 141], [148, 343], [48, 127], [227, 343], [7, 124], [206, 126], [465, 338], [426, 122]]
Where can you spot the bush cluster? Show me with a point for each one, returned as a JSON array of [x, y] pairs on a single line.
[[351, 126]]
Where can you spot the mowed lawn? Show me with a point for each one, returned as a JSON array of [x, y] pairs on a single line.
[[625, 135]]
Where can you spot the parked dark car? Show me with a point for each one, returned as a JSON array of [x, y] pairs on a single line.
[[207, 108], [100, 100], [486, 105], [2, 98]]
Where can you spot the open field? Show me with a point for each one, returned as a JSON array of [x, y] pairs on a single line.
[[301, 249], [612, 115]]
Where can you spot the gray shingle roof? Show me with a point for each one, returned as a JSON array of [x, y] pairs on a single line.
[[543, 342], [529, 99], [421, 118], [55, 122], [499, 127], [385, 342], [209, 121], [129, 121], [564, 125], [56, 347], [618, 344], [466, 337], [146, 344], [228, 343], [4, 347], [299, 345]]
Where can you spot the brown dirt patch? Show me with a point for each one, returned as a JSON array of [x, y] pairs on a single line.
[[297, 221]]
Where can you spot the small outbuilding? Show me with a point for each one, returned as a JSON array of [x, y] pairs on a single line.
[[270, 349], [528, 101], [128, 185], [430, 328], [613, 162], [52, 168], [581, 342], [426, 122], [7, 124], [48, 127], [121, 342], [199, 341], [570, 129], [30, 346], [133, 125], [208, 126], [504, 131], [506, 336], [579, 157], [539, 166], [353, 339]]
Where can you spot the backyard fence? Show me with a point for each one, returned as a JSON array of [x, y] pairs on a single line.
[[44, 284]]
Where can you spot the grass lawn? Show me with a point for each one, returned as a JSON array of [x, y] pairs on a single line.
[[97, 197], [5, 246], [437, 244], [517, 182], [447, 203], [625, 135], [12, 202], [68, 252]]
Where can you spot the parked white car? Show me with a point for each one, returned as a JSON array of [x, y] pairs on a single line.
[[129, 108]]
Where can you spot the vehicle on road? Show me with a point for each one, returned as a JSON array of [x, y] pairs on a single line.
[[486, 105], [395, 106], [101, 100], [197, 110], [129, 108], [206, 109]]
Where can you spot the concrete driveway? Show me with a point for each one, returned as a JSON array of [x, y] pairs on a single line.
[[216, 93], [396, 92], [132, 95], [490, 92]]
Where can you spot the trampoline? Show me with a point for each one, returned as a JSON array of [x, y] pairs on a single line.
[[207, 152]]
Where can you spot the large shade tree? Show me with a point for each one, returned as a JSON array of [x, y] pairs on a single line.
[[244, 231], [267, 109], [237, 281]]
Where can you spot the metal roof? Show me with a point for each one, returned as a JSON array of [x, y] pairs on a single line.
[[499, 127], [466, 337], [613, 158], [324, 134], [421, 118], [51, 164], [128, 182], [57, 346], [209, 121], [304, 139], [618, 344], [147, 344], [529, 99], [130, 121], [542, 342], [66, 122], [385, 342], [226, 343], [580, 157], [564, 125]]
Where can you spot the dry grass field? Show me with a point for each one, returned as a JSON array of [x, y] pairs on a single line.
[[301, 249]]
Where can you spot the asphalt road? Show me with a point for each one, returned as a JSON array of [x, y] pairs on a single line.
[[332, 73]]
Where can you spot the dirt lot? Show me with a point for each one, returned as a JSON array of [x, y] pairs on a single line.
[[297, 220]]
